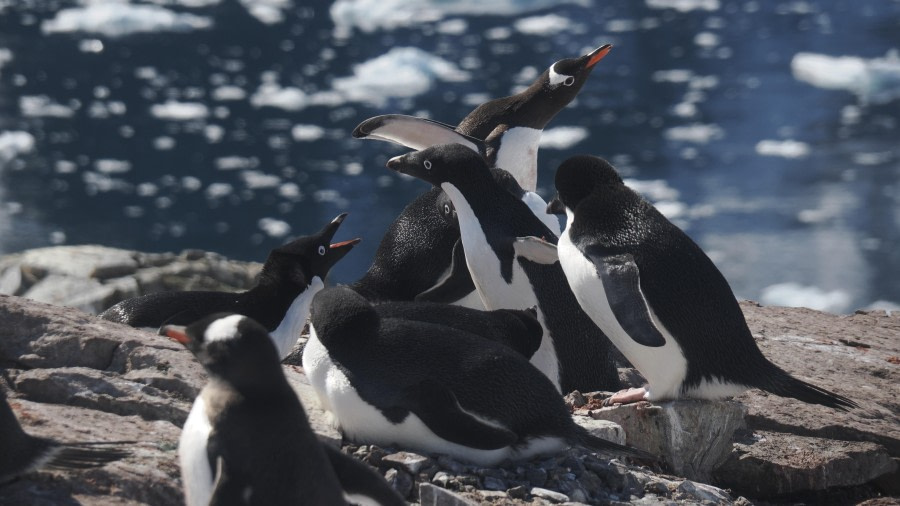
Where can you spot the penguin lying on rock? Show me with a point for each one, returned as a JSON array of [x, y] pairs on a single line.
[[292, 274], [658, 297], [574, 354], [432, 387], [247, 439], [22, 453]]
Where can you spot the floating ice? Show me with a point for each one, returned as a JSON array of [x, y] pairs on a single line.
[[42, 106], [13, 144], [563, 137], [269, 12], [307, 133], [453, 27], [6, 56], [550, 24], [371, 15], [696, 133], [115, 19], [875, 81], [399, 73], [110, 166], [218, 190], [785, 149], [236, 162], [224, 93], [255, 179], [684, 5], [654, 189], [273, 227], [179, 111], [270, 94], [813, 297]]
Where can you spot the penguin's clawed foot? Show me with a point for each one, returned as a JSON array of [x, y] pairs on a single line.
[[627, 396]]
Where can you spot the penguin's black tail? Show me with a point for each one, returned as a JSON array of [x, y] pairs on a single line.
[[585, 439], [85, 455], [779, 382]]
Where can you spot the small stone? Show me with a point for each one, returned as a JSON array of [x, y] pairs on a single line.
[[518, 492], [610, 431], [656, 487], [536, 476], [703, 492], [492, 495], [549, 495], [441, 478], [408, 461], [399, 481], [451, 465], [430, 495], [575, 400], [491, 483]]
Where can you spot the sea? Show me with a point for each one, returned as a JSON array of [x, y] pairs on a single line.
[[768, 130]]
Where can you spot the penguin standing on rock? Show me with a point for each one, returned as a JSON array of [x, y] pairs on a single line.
[[292, 274], [432, 387], [247, 439], [658, 297], [574, 353]]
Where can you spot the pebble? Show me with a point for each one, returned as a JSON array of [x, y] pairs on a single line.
[[549, 495], [408, 461]]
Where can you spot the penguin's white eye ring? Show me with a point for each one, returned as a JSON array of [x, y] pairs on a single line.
[[427, 164], [569, 81], [446, 208], [321, 250]]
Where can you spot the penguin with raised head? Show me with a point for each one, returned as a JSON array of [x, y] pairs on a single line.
[[657, 296], [22, 452], [432, 387], [291, 275], [574, 353], [247, 439]]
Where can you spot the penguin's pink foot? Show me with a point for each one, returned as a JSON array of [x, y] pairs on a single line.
[[627, 396]]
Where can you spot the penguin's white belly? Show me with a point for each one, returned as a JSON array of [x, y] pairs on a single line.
[[363, 423], [495, 292], [664, 367], [196, 474], [518, 155], [288, 331]]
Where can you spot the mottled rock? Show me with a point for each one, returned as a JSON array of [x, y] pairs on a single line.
[[407, 461], [698, 491], [400, 481], [430, 495], [550, 495], [771, 464], [692, 436], [606, 429]]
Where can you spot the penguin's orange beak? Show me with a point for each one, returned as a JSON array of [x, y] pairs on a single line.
[[351, 242], [598, 54], [175, 333]]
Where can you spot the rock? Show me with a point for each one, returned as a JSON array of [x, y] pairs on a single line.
[[771, 464], [408, 461], [575, 400], [491, 483], [430, 495], [692, 436], [549, 495], [519, 492], [399, 481], [699, 491], [605, 429]]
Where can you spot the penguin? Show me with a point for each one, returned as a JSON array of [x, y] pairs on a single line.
[[658, 297], [291, 275], [247, 438], [23, 452], [433, 388], [574, 353], [520, 118]]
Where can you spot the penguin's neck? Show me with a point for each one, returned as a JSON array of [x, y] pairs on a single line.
[[288, 331], [517, 154]]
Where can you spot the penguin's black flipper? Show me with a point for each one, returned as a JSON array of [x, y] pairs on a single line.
[[772, 378], [439, 409], [85, 455], [456, 285], [361, 481], [536, 250], [227, 489], [415, 133], [585, 439], [621, 282]]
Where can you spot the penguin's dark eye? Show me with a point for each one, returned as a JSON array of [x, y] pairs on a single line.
[[569, 81], [446, 208], [321, 250], [427, 164]]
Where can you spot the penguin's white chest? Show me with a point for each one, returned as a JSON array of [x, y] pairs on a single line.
[[496, 292], [664, 367], [517, 155], [196, 474], [288, 331], [363, 423]]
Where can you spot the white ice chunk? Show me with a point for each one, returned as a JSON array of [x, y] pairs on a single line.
[[563, 137], [785, 149], [117, 19], [797, 295]]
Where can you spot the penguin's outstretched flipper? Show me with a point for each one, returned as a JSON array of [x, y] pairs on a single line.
[[415, 133], [621, 282], [361, 484]]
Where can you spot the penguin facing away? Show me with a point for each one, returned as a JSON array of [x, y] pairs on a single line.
[[520, 118], [23, 452], [247, 439], [658, 297], [291, 275], [432, 387], [574, 353]]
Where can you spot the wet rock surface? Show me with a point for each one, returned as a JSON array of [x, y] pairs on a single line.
[[72, 376]]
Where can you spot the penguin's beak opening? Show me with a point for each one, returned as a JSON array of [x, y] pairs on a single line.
[[556, 206], [341, 248], [175, 333], [596, 55]]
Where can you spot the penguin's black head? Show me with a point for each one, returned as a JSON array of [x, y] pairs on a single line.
[[338, 313], [577, 178], [446, 210], [560, 83], [307, 257], [443, 163], [232, 347]]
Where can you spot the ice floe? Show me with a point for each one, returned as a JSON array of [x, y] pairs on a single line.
[[563, 137], [227, 93], [273, 227], [13, 144], [371, 15], [42, 106], [785, 149], [110, 166], [273, 95], [550, 24], [684, 5], [6, 56], [797, 295], [875, 81], [269, 12], [116, 19], [307, 133], [697, 133], [236, 162], [179, 111]]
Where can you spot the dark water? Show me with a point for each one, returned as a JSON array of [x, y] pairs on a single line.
[[682, 101]]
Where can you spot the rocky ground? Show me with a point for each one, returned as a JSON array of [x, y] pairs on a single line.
[[74, 377]]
